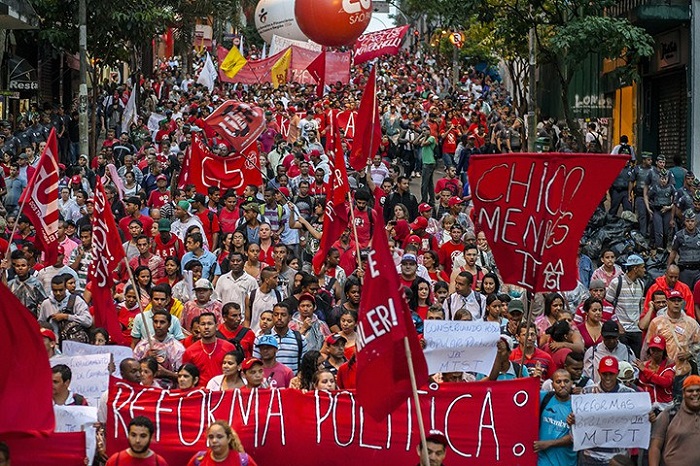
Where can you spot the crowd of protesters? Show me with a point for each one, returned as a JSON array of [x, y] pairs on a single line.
[[230, 299]]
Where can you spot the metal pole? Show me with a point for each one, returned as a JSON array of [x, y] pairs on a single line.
[[83, 96], [455, 66], [532, 89]]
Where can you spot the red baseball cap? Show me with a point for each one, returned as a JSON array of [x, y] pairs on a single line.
[[284, 190], [657, 342], [75, 179], [250, 362], [609, 365], [675, 294], [307, 297], [454, 201], [419, 222], [46, 333], [425, 207], [413, 239], [335, 338]]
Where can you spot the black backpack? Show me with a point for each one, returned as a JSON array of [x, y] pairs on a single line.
[[72, 331]]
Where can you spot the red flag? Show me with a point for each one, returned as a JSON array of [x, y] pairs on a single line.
[[238, 123], [335, 220], [384, 321], [25, 374], [369, 130], [108, 252], [533, 209], [42, 203], [204, 169], [317, 70]]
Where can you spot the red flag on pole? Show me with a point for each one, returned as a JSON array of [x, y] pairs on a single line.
[[384, 321], [26, 374], [42, 200], [108, 253], [533, 209], [368, 133], [335, 219], [317, 69]]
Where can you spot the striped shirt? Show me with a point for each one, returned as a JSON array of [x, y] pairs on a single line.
[[629, 301], [288, 351]]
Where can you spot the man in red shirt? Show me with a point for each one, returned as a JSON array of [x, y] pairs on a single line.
[[167, 244], [160, 196], [132, 206], [208, 353], [451, 249], [139, 451], [232, 330], [229, 215], [365, 218], [538, 363], [449, 182], [209, 219]]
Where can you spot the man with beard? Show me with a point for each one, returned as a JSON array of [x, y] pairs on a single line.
[[139, 451]]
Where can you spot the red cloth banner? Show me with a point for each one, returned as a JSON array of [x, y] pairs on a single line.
[[42, 200], [376, 44], [384, 321], [108, 253], [533, 209], [26, 403], [307, 429], [368, 127], [204, 169], [317, 69], [347, 122], [237, 122], [65, 448], [335, 218], [258, 71]]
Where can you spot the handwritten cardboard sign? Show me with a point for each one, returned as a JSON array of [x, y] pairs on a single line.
[[90, 374], [78, 419], [74, 348], [460, 346], [611, 420]]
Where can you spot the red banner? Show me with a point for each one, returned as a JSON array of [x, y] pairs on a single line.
[[26, 403], [66, 449], [108, 252], [369, 129], [237, 122], [533, 209], [42, 204], [204, 169], [290, 427], [346, 121], [258, 71], [317, 69], [376, 44]]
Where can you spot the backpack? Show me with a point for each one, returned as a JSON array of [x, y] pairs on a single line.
[[280, 212], [625, 149], [73, 331], [597, 144], [545, 401]]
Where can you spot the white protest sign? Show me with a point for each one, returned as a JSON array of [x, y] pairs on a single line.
[[78, 419], [460, 346], [74, 348], [280, 43], [611, 420], [90, 374]]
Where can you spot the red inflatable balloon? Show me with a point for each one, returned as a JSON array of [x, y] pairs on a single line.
[[333, 22]]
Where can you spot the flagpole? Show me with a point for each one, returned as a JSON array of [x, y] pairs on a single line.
[[14, 227], [416, 401], [528, 322], [354, 232], [138, 295]]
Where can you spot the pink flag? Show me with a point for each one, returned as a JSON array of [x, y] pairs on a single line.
[[317, 69], [368, 130], [42, 203], [384, 321], [376, 44]]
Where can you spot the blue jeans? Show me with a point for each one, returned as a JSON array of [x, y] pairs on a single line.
[[427, 187]]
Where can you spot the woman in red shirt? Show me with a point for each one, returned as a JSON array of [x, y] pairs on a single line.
[[431, 261], [127, 311], [657, 373], [225, 448], [592, 327]]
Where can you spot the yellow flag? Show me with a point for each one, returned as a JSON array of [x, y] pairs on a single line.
[[279, 69], [233, 62]]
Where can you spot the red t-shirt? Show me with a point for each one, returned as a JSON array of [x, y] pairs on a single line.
[[246, 342], [452, 184], [227, 220], [174, 247], [346, 377], [447, 253], [124, 459], [208, 358], [363, 225], [210, 226], [158, 199], [126, 319], [146, 221], [539, 356]]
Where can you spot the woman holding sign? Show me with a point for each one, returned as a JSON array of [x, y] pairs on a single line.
[[225, 448]]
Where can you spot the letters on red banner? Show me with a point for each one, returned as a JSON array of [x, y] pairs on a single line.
[[533, 209], [376, 44], [346, 121], [237, 122], [204, 169], [306, 429]]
